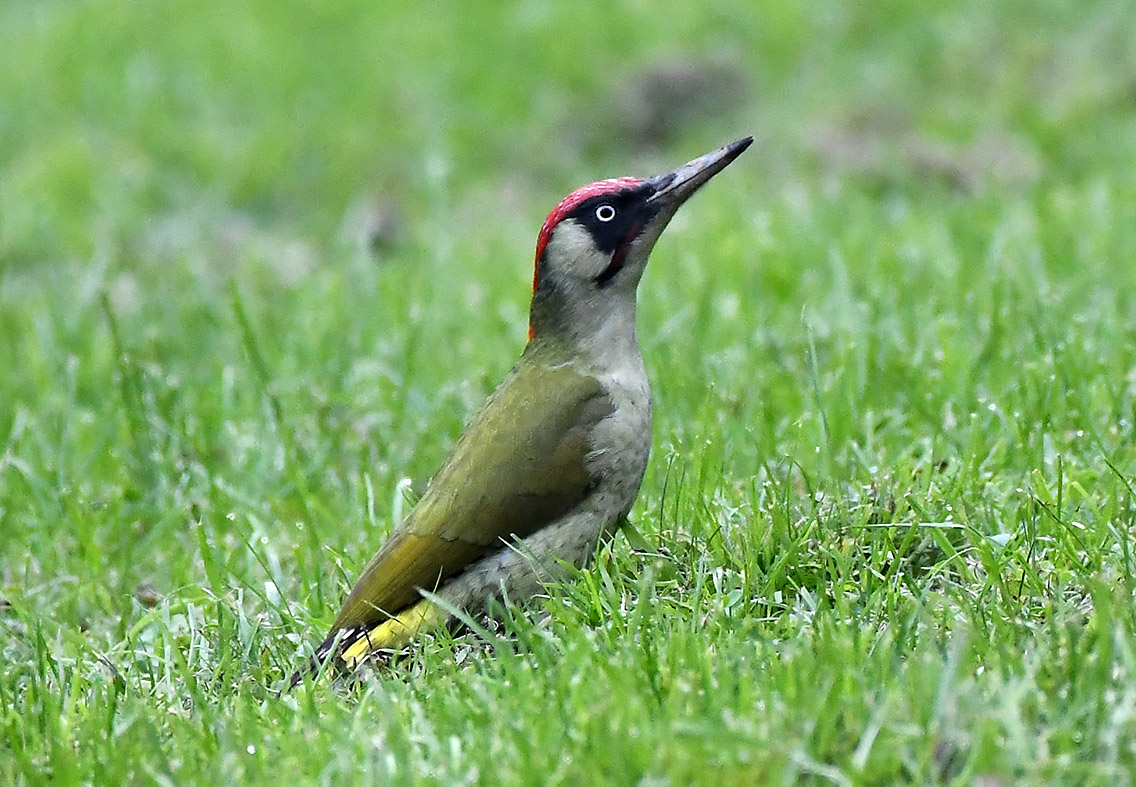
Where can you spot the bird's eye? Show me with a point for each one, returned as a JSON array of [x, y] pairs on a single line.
[[605, 213]]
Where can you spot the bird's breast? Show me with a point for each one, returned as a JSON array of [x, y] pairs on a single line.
[[621, 442]]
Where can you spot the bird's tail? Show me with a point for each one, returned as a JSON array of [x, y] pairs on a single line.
[[347, 647]]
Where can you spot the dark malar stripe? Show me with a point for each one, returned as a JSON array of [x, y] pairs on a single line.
[[619, 258]]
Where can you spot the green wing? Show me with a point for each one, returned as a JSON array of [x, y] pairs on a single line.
[[519, 465]]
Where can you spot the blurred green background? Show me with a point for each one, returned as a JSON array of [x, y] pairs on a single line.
[[283, 116], [260, 261]]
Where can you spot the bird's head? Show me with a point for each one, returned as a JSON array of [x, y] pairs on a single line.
[[594, 245]]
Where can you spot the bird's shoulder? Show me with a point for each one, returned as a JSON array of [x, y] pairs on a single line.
[[523, 457]]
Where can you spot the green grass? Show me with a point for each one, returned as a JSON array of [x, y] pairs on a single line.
[[893, 351]]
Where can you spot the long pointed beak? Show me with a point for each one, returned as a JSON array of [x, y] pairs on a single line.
[[674, 188]]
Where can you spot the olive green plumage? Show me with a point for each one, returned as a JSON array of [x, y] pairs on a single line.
[[519, 465]]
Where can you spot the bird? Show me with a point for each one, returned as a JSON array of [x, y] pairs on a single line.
[[553, 462]]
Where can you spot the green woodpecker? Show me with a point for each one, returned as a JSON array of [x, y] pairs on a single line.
[[553, 461]]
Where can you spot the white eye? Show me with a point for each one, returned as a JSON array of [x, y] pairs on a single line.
[[605, 212]]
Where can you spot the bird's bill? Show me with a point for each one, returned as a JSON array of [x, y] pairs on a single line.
[[674, 188]]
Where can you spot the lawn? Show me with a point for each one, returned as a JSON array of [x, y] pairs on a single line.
[[259, 262]]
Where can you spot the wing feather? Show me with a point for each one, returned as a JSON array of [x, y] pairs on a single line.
[[519, 465]]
